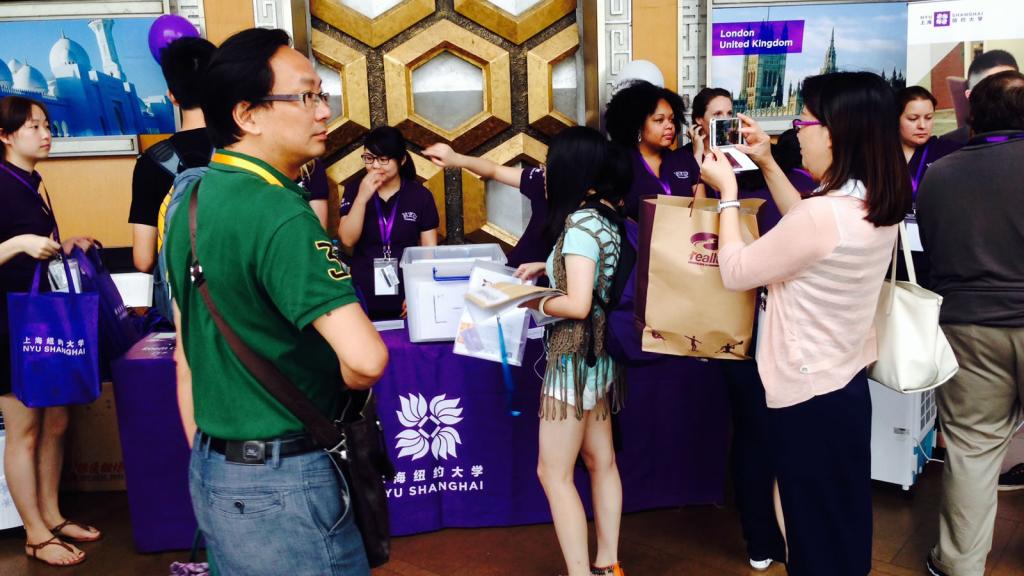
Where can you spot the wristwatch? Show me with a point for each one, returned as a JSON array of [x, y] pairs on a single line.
[[728, 204]]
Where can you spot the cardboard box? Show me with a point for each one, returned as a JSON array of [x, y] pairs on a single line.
[[92, 450]]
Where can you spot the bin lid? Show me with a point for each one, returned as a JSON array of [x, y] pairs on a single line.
[[454, 253]]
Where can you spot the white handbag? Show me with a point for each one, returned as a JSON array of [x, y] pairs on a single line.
[[913, 353]]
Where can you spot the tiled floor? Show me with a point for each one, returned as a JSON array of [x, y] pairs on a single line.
[[700, 541]]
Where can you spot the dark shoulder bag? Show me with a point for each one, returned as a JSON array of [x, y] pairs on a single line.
[[355, 441]]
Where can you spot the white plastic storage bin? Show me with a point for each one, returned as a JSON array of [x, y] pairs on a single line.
[[902, 434], [436, 280]]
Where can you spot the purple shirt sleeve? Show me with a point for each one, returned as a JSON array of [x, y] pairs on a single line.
[[348, 197], [317, 182]]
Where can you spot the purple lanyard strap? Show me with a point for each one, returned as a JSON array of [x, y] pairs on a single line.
[[916, 179], [664, 185], [386, 225]]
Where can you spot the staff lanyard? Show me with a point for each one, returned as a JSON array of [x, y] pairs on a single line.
[[386, 225], [248, 166], [916, 180], [664, 185]]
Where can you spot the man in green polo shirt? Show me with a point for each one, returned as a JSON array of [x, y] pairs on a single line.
[[267, 500]]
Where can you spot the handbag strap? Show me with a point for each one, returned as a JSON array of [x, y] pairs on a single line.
[[323, 430], [901, 239]]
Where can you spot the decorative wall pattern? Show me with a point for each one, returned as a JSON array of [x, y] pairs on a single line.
[[692, 47], [492, 78]]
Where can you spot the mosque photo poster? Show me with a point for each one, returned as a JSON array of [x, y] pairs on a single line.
[[95, 76], [945, 37], [761, 55]]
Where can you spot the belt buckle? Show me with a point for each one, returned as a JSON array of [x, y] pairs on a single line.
[[253, 452]]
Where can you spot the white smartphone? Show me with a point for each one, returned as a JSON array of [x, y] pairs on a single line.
[[726, 132], [725, 136]]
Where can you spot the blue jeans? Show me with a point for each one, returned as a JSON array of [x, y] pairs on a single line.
[[289, 516]]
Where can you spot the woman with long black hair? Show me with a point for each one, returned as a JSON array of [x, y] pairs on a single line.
[[823, 264], [586, 180]]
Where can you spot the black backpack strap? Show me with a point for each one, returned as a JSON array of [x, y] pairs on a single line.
[[166, 156]]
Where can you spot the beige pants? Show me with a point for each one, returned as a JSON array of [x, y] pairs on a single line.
[[979, 410]]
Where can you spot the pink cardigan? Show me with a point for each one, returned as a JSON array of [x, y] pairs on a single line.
[[823, 265]]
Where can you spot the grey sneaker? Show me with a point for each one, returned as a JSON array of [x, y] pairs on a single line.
[[1012, 479]]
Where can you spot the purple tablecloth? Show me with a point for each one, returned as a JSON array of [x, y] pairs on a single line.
[[153, 444], [463, 459]]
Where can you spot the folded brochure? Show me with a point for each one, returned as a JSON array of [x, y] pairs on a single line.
[[496, 297]]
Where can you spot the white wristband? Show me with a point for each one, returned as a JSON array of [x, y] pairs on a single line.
[[722, 205]]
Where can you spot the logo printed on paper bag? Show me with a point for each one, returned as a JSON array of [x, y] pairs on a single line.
[[706, 249]]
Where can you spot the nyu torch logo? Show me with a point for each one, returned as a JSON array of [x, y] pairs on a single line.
[[705, 251]]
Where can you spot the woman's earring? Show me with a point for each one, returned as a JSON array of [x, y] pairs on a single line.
[[639, 136]]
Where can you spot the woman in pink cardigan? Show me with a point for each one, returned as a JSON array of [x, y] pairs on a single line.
[[823, 264]]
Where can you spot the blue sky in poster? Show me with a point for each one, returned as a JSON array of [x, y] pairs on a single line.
[[31, 40], [869, 36]]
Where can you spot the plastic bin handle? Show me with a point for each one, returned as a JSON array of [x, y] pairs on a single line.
[[449, 278]]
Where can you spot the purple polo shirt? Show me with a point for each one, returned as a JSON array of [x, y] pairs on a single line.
[[531, 246], [679, 173], [24, 212], [415, 213], [925, 155]]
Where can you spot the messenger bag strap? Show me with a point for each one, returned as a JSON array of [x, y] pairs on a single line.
[[323, 430]]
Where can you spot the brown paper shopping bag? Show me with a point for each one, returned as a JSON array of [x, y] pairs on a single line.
[[686, 309]]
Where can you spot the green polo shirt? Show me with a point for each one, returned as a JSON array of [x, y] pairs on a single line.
[[272, 271]]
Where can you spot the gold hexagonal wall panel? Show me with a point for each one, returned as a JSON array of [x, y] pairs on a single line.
[[372, 22], [516, 21], [351, 166], [475, 209], [553, 59], [353, 113], [487, 73]]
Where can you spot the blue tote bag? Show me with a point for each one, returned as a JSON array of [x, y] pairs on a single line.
[[54, 345]]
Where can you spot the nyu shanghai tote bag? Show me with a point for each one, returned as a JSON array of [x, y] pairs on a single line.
[[685, 307], [54, 345]]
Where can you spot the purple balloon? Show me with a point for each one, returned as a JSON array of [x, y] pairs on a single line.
[[167, 29]]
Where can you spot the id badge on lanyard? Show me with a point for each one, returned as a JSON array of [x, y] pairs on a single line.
[[385, 270]]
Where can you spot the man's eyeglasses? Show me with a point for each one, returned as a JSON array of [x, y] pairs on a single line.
[[798, 124], [308, 99], [382, 161]]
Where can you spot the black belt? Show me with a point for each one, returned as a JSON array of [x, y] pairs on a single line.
[[258, 451]]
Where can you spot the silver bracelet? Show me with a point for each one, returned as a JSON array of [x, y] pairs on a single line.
[[722, 205]]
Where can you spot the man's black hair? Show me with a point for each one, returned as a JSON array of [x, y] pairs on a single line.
[[987, 61], [183, 63], [238, 71], [997, 103]]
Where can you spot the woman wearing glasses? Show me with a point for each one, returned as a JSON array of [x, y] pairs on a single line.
[[382, 215], [823, 264]]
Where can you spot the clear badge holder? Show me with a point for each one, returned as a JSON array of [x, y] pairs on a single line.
[[385, 277]]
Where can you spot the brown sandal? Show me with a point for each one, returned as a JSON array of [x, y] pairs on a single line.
[[35, 548], [58, 530]]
